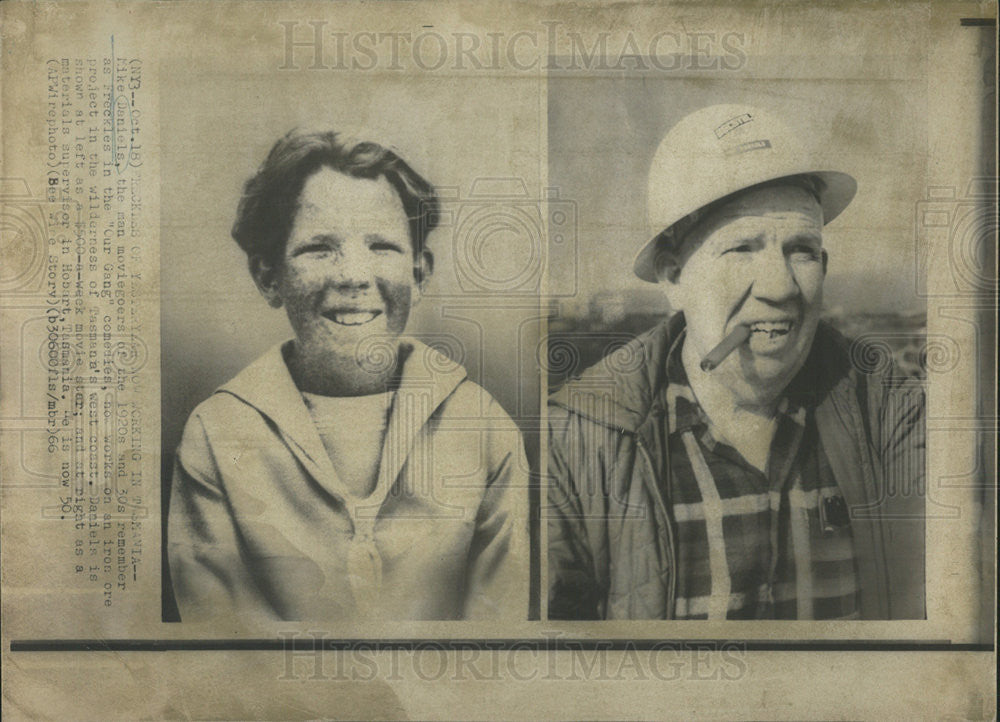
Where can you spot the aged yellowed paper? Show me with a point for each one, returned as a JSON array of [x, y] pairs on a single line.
[[285, 288]]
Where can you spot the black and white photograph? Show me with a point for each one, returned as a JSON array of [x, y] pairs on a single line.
[[524, 360], [737, 423], [365, 465]]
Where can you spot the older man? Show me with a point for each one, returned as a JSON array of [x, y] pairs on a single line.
[[739, 468]]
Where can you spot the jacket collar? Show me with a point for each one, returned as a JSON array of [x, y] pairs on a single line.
[[622, 389], [624, 394], [428, 378]]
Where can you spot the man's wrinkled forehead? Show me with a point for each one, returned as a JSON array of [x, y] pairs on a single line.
[[772, 200], [789, 205]]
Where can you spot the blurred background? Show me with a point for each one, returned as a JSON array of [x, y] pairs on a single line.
[[482, 305], [863, 118]]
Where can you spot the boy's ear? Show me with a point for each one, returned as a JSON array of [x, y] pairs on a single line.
[[423, 268], [265, 276]]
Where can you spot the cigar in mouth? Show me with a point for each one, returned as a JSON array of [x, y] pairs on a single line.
[[717, 355]]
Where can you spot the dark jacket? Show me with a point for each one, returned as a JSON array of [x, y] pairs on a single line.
[[611, 547]]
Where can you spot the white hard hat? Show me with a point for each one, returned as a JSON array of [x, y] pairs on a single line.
[[715, 152]]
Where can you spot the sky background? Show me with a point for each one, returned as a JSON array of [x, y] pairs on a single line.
[[217, 126], [603, 133], [467, 133]]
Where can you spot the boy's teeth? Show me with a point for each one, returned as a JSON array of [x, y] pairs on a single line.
[[353, 318]]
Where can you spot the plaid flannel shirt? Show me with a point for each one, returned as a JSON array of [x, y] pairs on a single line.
[[753, 545]]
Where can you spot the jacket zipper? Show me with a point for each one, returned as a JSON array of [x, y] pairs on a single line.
[[657, 499]]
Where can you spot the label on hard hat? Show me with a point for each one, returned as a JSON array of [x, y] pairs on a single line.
[[732, 124], [748, 146]]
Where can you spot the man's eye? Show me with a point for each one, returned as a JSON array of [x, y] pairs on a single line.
[[739, 248], [805, 253], [386, 247]]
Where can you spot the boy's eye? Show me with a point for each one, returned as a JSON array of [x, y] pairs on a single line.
[[739, 248]]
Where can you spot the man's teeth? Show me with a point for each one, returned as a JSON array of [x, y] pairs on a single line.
[[771, 328], [353, 318]]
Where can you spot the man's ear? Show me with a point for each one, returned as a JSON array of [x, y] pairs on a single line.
[[423, 268], [265, 276], [668, 272]]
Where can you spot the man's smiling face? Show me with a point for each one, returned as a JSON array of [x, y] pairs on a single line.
[[347, 274], [758, 261]]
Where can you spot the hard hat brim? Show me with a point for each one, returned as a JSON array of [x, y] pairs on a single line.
[[837, 192]]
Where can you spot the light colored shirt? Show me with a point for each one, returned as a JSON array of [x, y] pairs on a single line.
[[260, 529], [352, 429]]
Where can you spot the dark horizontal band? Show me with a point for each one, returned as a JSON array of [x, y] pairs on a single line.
[[305, 642]]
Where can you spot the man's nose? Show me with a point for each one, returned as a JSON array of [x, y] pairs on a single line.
[[773, 279]]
